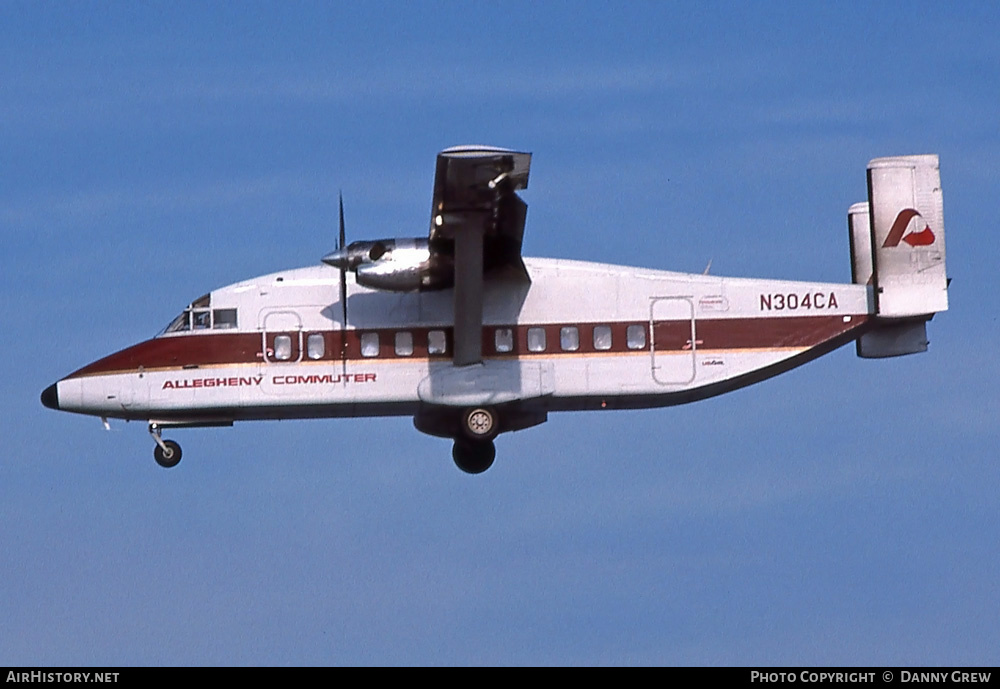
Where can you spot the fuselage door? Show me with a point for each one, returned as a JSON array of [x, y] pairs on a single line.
[[281, 337], [673, 340]]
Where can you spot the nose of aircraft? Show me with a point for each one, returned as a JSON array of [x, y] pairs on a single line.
[[50, 397]]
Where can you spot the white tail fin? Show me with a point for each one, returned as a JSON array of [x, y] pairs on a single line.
[[897, 246], [907, 236]]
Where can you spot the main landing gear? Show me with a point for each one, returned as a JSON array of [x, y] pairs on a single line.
[[480, 424], [167, 453], [473, 429], [474, 450], [473, 457]]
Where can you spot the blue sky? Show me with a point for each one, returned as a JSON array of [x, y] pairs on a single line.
[[843, 513]]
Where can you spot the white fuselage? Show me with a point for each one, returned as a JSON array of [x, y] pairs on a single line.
[[580, 335]]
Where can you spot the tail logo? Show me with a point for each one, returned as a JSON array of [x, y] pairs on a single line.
[[923, 238]]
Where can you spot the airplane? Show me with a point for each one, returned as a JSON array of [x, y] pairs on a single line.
[[461, 332]]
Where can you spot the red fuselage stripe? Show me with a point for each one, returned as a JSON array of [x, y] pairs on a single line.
[[216, 349]]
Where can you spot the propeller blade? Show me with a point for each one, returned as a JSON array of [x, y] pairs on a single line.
[[343, 295], [342, 242]]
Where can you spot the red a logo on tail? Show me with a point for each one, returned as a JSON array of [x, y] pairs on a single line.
[[923, 238]]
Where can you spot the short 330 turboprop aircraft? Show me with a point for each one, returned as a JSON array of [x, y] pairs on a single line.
[[460, 332]]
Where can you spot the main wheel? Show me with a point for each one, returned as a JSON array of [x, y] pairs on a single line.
[[169, 457], [473, 458], [480, 423]]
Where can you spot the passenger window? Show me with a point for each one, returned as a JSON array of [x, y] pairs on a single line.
[[369, 344], [536, 339], [602, 337], [283, 347], [503, 340], [436, 342], [315, 346], [201, 320], [224, 319], [404, 343], [635, 337], [569, 338]]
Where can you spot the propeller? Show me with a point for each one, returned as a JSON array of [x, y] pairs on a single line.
[[341, 243], [343, 266]]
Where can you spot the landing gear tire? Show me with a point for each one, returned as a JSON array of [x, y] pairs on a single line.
[[168, 457], [480, 424], [473, 457]]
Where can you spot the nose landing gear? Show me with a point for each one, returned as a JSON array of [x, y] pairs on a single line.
[[167, 453]]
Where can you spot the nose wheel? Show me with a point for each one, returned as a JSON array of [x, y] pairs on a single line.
[[167, 456], [167, 453]]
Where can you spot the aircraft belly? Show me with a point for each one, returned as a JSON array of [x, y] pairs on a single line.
[[715, 366], [605, 375], [491, 382]]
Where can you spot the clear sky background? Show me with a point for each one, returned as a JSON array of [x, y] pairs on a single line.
[[843, 513]]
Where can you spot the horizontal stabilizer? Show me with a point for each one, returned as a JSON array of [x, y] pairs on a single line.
[[893, 338]]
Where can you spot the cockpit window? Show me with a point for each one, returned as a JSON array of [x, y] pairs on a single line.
[[182, 322], [224, 319], [198, 316], [201, 320]]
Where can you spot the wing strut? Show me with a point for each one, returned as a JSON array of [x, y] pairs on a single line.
[[469, 292], [478, 218]]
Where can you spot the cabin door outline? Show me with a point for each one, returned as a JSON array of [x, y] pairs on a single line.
[[279, 357], [673, 342], [285, 324]]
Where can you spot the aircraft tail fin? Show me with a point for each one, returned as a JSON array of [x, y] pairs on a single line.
[[897, 246]]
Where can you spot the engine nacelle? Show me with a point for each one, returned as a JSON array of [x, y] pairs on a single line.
[[396, 265]]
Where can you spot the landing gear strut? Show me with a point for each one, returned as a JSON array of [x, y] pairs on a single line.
[[167, 453], [473, 457]]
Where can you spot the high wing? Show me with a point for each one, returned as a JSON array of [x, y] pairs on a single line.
[[477, 221]]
